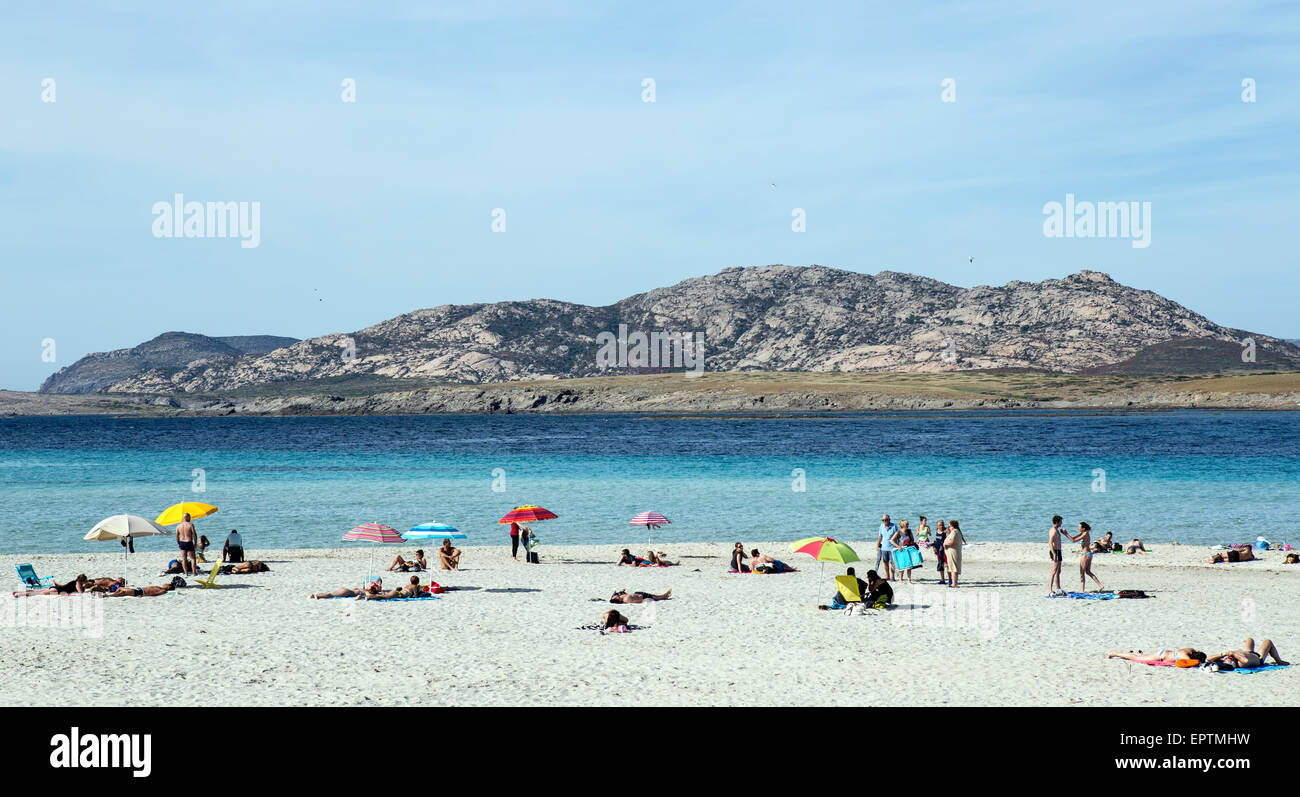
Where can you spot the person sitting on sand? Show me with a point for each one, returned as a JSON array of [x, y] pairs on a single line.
[[879, 593], [141, 592], [448, 557], [1170, 655], [405, 566], [244, 568], [1246, 554], [738, 559], [1247, 658], [625, 557], [78, 585], [658, 560], [615, 622], [762, 563], [1135, 546], [203, 547], [1104, 545], [623, 596]]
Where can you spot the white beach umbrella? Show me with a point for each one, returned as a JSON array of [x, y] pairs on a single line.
[[120, 527]]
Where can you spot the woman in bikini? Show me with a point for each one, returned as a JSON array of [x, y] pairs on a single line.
[[1167, 655], [1247, 658], [658, 559], [1085, 557]]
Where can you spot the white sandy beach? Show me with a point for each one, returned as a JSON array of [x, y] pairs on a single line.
[[508, 636]]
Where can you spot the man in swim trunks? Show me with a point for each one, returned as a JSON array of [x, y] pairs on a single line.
[[1054, 553], [186, 539], [373, 587], [1247, 658], [1246, 554], [140, 592], [1135, 546], [762, 563], [623, 596]]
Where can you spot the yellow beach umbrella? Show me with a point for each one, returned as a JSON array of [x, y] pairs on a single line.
[[175, 514]]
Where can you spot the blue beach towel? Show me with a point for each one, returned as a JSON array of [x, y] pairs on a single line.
[[1088, 596]]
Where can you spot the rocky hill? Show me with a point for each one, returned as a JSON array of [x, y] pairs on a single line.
[[169, 350], [766, 318]]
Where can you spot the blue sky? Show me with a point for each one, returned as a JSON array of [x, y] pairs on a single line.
[[378, 207]]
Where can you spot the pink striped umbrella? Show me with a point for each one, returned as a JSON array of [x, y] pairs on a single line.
[[373, 533], [651, 520]]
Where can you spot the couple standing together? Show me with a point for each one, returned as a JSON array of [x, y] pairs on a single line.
[[1085, 556]]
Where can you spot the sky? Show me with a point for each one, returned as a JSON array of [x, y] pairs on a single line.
[[383, 205]]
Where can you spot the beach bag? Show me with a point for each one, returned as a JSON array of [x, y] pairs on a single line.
[[1132, 593], [533, 559], [178, 582]]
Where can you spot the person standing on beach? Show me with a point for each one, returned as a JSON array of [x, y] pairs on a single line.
[[186, 539], [885, 546], [514, 541], [1085, 557], [940, 533], [952, 551], [1054, 551]]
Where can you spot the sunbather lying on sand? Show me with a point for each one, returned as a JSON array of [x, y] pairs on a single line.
[[762, 563], [402, 565], [411, 590], [1247, 657], [1170, 655], [80, 584], [375, 586], [244, 568], [1246, 554], [141, 592], [104, 584], [626, 558], [1135, 546], [658, 560], [623, 596]]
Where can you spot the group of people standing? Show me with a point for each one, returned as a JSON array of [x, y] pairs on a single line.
[[946, 540]]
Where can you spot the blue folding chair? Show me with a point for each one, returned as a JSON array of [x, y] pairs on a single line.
[[27, 575]]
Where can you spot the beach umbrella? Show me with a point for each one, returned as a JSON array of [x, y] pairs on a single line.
[[435, 531], [123, 527], [825, 549], [176, 513], [373, 533], [527, 514], [651, 520]]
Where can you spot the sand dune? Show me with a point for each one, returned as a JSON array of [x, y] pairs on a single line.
[[508, 636]]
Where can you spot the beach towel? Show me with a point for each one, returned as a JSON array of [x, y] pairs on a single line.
[[1087, 596]]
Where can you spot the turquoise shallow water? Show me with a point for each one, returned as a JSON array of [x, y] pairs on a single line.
[[1196, 477]]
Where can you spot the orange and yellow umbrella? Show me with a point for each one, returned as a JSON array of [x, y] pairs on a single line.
[[176, 513]]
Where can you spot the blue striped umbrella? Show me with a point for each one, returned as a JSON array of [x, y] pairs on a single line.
[[435, 531]]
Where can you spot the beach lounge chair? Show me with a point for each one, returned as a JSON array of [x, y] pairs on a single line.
[[847, 586], [27, 575], [211, 581]]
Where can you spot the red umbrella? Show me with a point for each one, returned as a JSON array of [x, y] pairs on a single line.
[[527, 514], [651, 520], [373, 533]]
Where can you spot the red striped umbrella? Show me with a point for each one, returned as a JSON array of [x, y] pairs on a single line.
[[650, 519], [373, 533], [527, 514]]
